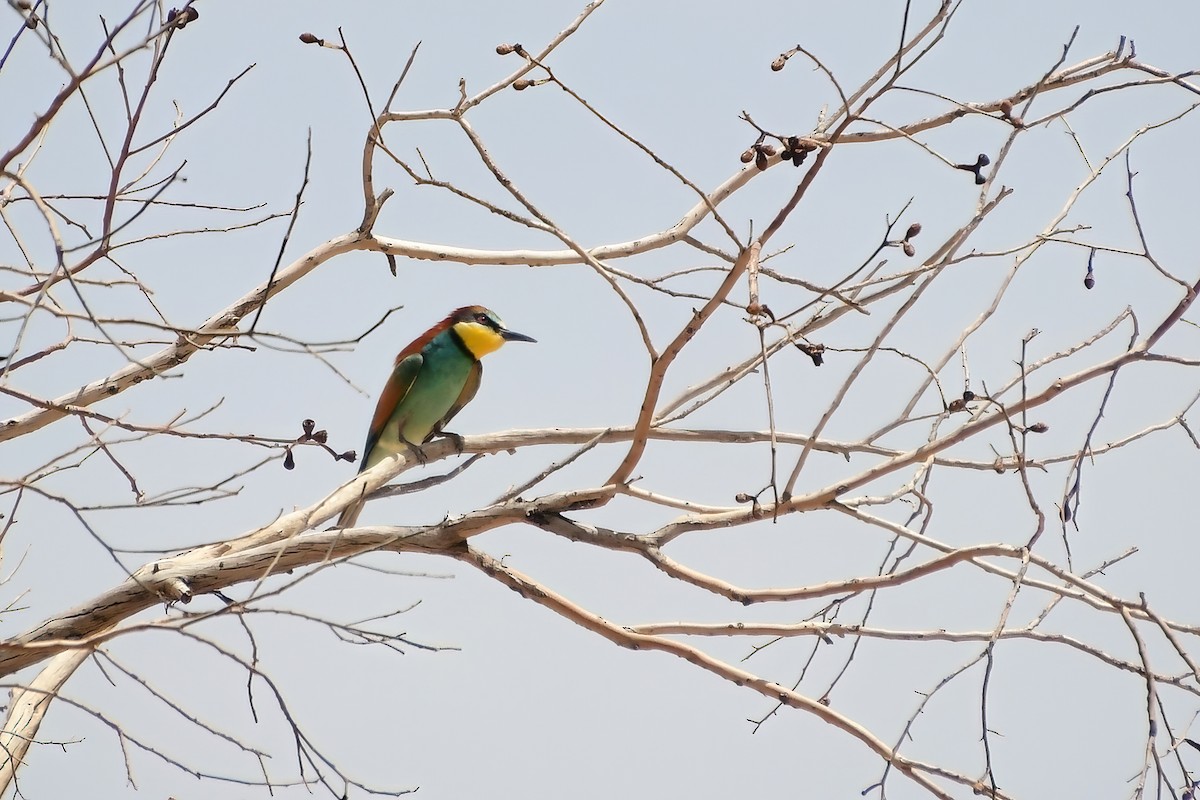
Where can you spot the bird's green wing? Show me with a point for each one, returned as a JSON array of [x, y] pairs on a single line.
[[398, 386], [468, 392]]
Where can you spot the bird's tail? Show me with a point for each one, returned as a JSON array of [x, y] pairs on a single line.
[[350, 514]]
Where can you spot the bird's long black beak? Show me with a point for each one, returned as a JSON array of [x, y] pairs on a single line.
[[513, 336]]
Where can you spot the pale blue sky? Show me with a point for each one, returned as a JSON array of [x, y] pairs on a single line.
[[527, 704]]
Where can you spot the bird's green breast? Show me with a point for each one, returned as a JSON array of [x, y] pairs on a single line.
[[445, 367]]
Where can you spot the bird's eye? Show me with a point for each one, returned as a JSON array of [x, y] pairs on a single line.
[[482, 319]]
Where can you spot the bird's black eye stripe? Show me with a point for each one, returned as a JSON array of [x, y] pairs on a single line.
[[484, 319]]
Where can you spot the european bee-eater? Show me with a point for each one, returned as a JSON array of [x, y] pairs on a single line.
[[435, 376]]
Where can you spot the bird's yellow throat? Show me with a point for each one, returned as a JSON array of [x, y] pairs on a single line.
[[479, 339]]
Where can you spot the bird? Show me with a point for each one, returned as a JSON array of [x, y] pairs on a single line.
[[433, 378]]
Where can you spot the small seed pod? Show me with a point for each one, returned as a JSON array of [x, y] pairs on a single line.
[[1006, 107], [760, 160], [968, 395], [309, 38], [742, 497], [769, 149], [504, 49], [814, 351], [182, 18], [522, 84], [1089, 280], [778, 63], [1039, 427], [308, 425], [289, 462], [956, 405], [909, 250], [748, 156], [912, 231]]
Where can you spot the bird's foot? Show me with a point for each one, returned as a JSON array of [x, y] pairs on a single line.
[[459, 444], [417, 453]]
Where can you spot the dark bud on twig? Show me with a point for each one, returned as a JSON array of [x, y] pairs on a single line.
[[977, 168], [748, 156], [814, 351], [289, 462], [769, 149], [742, 497], [31, 21], [781, 62], [787, 155], [956, 405], [1065, 514], [504, 49], [1039, 427], [321, 437], [309, 38], [968, 395], [308, 426], [182, 18], [522, 84], [760, 160], [1006, 107], [349, 455], [906, 245], [999, 466], [1089, 280]]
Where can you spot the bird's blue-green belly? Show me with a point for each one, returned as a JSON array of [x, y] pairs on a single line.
[[437, 386]]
